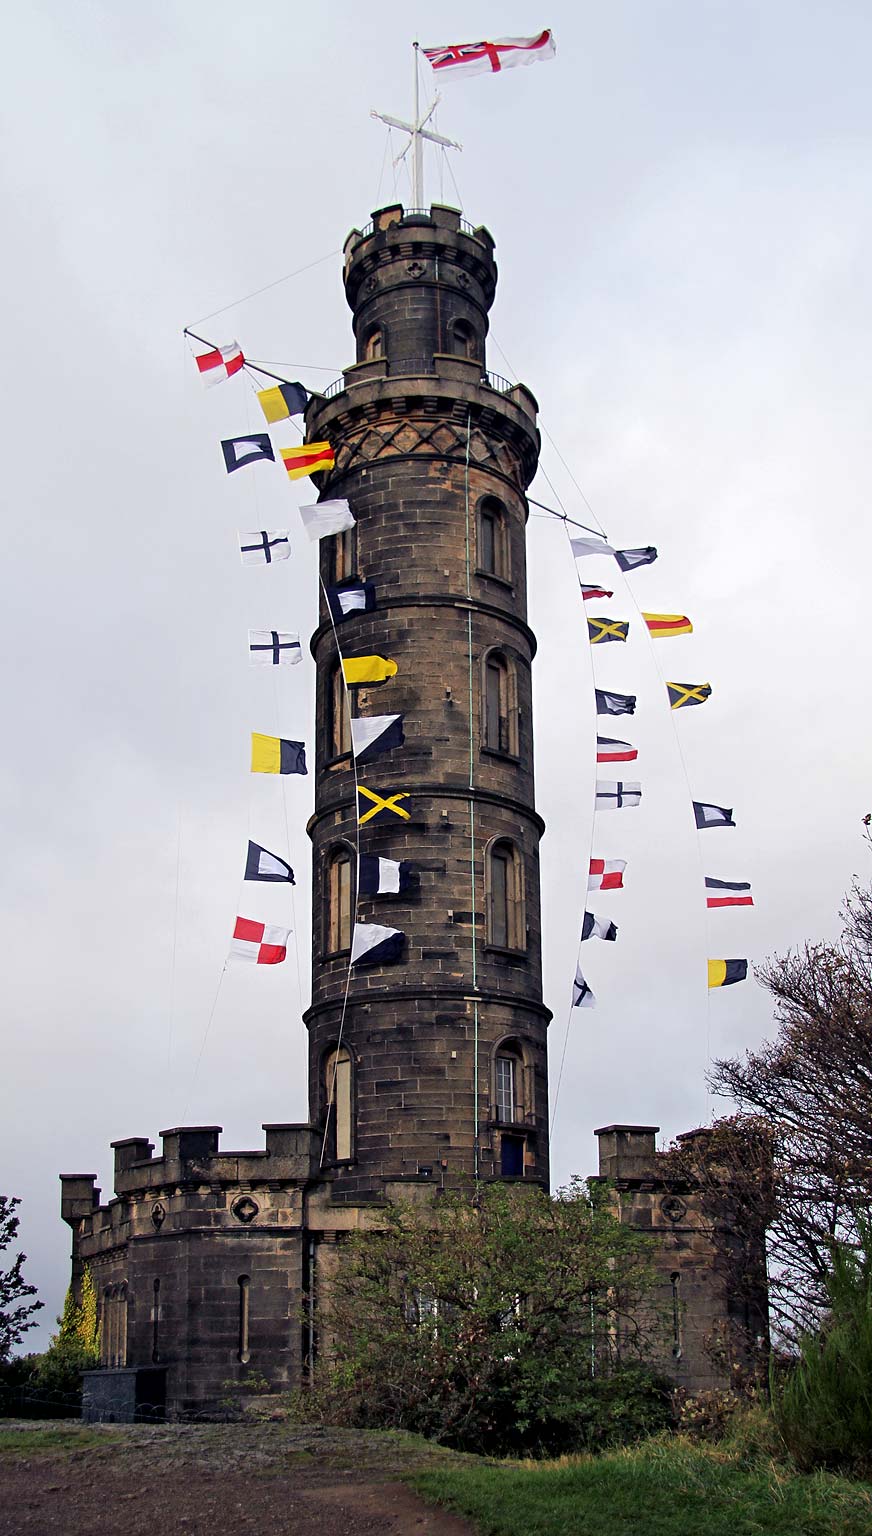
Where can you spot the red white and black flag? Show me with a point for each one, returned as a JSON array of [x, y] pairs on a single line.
[[610, 750], [486, 58], [727, 893]]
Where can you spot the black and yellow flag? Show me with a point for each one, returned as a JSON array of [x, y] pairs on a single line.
[[687, 693], [372, 807], [601, 630], [722, 973]]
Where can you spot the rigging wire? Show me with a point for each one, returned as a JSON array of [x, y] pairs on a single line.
[[354, 892], [234, 304]]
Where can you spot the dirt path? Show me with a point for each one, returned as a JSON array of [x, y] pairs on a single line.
[[211, 1480]]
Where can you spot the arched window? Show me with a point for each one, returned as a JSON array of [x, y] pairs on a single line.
[[499, 704], [374, 344], [461, 339], [504, 882], [492, 552], [337, 901], [339, 719], [509, 1083], [337, 1103]]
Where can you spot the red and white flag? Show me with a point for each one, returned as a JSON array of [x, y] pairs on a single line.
[[457, 59], [221, 363], [606, 875], [609, 750], [261, 943], [589, 592]]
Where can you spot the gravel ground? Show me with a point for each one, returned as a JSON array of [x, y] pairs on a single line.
[[66, 1479]]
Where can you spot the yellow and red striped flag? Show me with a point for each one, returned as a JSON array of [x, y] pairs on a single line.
[[308, 459], [661, 625]]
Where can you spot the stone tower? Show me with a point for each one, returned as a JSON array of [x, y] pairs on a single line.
[[441, 1068], [210, 1263]]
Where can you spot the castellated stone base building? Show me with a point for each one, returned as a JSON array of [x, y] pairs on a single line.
[[433, 1072]]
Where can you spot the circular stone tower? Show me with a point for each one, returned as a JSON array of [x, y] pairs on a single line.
[[433, 1067]]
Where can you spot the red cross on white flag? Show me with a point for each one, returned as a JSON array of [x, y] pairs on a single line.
[[490, 58]]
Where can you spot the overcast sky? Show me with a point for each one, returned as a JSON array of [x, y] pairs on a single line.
[[681, 209]]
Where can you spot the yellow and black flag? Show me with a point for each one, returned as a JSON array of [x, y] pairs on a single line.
[[282, 400], [601, 630], [723, 973], [681, 694], [272, 754]]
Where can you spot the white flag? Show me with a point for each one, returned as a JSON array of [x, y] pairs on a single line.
[[455, 59], [273, 648], [326, 517], [582, 997], [590, 547]]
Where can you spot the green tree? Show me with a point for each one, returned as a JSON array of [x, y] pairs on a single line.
[[812, 1087], [509, 1321], [823, 1403], [16, 1312], [76, 1345]]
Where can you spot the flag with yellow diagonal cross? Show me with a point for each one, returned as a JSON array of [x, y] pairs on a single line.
[[601, 630], [373, 807], [681, 694]]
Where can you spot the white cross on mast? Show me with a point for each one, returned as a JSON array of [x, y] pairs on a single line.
[[417, 131]]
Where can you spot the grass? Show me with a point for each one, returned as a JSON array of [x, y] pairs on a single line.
[[67, 1437], [666, 1487]]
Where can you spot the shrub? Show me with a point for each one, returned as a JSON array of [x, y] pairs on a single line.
[[823, 1403]]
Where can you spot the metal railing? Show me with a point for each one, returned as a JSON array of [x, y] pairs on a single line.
[[369, 228], [416, 366]]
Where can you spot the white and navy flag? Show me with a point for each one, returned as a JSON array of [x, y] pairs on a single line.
[[371, 944], [628, 559], [373, 734], [712, 815], [350, 598], [273, 648], [239, 451], [382, 877], [325, 517], [594, 927], [614, 703], [264, 546], [582, 997], [263, 865], [614, 794]]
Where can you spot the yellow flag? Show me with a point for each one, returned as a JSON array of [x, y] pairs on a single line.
[[266, 753], [368, 669]]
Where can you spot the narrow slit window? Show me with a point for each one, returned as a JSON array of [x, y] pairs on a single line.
[[497, 707], [340, 720], [155, 1324], [337, 1087], [244, 1352], [338, 915], [492, 553]]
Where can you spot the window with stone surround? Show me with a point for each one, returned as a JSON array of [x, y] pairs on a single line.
[[504, 896], [499, 704], [337, 900], [337, 1104], [462, 340], [342, 557], [373, 344], [338, 714], [512, 1084], [492, 542]]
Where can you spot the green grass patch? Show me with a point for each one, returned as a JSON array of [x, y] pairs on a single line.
[[69, 1437], [662, 1488]]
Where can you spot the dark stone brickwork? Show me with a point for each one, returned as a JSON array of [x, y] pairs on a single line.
[[421, 440], [208, 1264]]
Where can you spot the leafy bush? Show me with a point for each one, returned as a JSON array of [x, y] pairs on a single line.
[[75, 1347], [823, 1403], [488, 1324]]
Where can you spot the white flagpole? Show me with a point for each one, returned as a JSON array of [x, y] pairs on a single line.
[[417, 131], [417, 145]]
